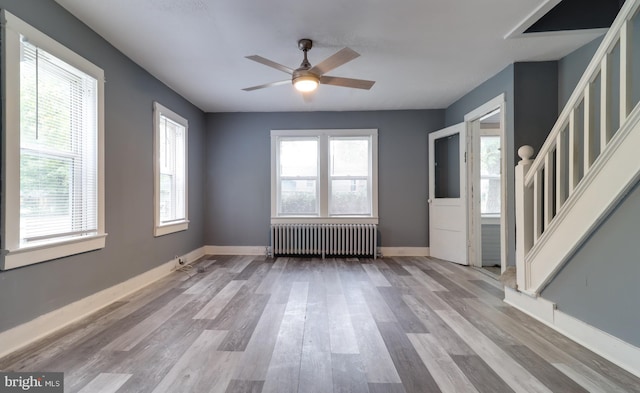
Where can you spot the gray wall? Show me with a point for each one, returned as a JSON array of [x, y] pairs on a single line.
[[535, 103], [490, 244], [571, 68], [503, 82], [599, 284], [238, 171], [131, 248]]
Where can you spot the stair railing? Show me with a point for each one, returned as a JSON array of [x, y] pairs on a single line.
[[580, 136]]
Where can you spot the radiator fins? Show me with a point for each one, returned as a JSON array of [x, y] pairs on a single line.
[[340, 240]]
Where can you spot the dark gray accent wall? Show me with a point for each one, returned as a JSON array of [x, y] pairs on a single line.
[[535, 103], [577, 15], [599, 283], [501, 83], [238, 179], [130, 248]]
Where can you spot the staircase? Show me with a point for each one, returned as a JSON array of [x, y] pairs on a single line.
[[588, 163]]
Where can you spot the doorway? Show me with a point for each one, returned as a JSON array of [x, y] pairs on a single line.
[[486, 202]]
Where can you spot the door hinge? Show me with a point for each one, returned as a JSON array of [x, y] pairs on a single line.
[[465, 156]]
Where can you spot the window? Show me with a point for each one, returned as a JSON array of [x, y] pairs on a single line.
[[490, 175], [54, 194], [170, 171], [326, 175]]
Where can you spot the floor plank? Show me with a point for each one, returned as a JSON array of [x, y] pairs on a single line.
[[241, 324], [201, 367], [284, 369], [106, 383], [414, 375], [348, 372], [445, 372]]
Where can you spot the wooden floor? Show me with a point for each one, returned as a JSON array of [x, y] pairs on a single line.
[[250, 324]]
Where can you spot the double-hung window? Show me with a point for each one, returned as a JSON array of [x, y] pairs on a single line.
[[170, 171], [324, 176], [490, 175], [53, 194]]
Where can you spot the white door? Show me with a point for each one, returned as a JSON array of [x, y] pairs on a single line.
[[447, 194]]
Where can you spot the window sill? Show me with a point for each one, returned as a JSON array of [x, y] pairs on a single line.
[[325, 220], [171, 228], [45, 252]]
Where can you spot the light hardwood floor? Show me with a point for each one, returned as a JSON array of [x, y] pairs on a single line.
[[250, 324]]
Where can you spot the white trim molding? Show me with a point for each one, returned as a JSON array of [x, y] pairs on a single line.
[[617, 351], [27, 333], [404, 251], [261, 250], [235, 250]]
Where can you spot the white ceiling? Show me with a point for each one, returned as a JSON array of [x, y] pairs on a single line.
[[421, 53]]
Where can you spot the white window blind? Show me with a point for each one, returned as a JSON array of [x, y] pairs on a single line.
[[58, 148]]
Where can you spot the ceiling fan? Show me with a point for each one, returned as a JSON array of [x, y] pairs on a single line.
[[307, 78]]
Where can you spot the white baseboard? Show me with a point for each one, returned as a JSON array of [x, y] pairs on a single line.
[[405, 251], [619, 352], [25, 334], [261, 250], [235, 250]]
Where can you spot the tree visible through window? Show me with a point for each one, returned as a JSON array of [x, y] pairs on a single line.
[[490, 175]]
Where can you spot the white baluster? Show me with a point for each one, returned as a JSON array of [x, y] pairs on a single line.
[[548, 188], [588, 128], [605, 101], [625, 70]]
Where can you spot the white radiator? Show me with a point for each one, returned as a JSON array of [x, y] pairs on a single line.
[[324, 239]]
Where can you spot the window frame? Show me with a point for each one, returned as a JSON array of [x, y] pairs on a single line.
[[491, 218], [162, 228], [324, 189], [13, 254]]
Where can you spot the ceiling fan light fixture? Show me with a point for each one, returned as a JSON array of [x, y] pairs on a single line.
[[306, 83]]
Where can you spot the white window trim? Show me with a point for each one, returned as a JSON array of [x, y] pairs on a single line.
[[323, 217], [161, 229], [14, 255]]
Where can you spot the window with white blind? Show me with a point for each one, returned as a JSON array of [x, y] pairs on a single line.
[[53, 149], [324, 176], [170, 171]]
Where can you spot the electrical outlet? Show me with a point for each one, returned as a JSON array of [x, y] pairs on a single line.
[[181, 261]]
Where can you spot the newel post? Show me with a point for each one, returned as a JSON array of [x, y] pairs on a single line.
[[524, 214]]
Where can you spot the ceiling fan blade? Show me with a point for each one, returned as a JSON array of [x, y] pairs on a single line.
[[271, 84], [270, 63], [346, 82], [339, 58]]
